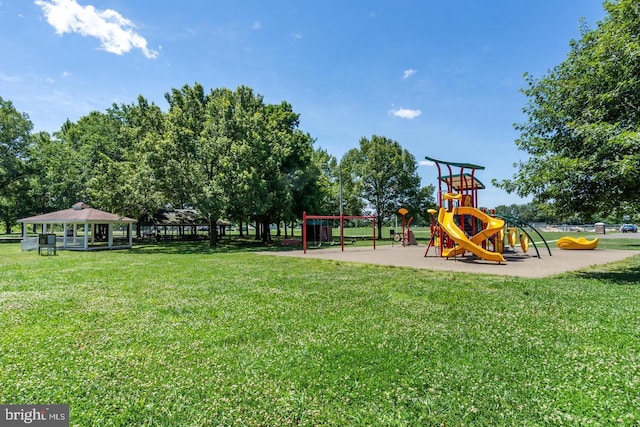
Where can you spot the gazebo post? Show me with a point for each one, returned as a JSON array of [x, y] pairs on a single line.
[[109, 235], [64, 236], [130, 232], [86, 236]]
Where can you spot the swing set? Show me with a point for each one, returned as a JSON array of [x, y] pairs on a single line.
[[321, 232]]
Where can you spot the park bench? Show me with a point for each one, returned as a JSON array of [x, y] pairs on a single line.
[[48, 243]]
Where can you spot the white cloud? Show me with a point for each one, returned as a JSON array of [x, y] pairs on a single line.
[[114, 31], [405, 113], [426, 163], [408, 73], [256, 25], [9, 78]]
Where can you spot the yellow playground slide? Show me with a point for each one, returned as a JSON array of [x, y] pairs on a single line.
[[448, 224]]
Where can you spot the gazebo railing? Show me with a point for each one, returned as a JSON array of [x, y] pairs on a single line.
[[72, 242], [29, 243]]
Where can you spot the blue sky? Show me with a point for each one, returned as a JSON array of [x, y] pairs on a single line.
[[440, 77]]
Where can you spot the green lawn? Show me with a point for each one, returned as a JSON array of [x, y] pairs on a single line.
[[180, 335]]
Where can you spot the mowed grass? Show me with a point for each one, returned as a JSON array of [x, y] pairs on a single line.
[[180, 335]]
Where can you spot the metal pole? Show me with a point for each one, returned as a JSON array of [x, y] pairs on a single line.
[[304, 231], [340, 181], [374, 232], [341, 211]]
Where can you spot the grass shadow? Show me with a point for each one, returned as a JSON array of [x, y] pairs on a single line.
[[202, 247], [626, 276], [233, 245], [617, 243]]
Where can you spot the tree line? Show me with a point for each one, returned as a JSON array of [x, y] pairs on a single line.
[[225, 153], [230, 155]]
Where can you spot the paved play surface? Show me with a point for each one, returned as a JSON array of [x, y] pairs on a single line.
[[518, 264]]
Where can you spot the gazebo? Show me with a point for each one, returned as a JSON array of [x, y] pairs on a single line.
[[83, 228]]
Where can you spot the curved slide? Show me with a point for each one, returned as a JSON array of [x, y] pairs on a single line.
[[448, 224]]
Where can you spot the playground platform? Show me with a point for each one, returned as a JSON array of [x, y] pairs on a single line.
[[518, 264]]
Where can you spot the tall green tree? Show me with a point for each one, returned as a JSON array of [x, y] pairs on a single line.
[[15, 135], [299, 177], [325, 199], [127, 184], [332, 185], [190, 150], [88, 149], [55, 174], [424, 201], [265, 158], [385, 175], [288, 158], [235, 119], [582, 134]]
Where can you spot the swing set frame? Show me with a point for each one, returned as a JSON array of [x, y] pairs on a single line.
[[340, 217]]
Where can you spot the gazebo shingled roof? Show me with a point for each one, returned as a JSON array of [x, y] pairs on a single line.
[[80, 212]]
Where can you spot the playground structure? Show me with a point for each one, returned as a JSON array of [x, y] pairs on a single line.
[[408, 237], [568, 242], [462, 227], [325, 232]]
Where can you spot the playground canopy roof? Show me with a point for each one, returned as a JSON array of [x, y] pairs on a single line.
[[462, 182], [459, 165]]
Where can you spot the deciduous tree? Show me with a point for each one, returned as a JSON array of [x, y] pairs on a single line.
[[15, 134], [384, 175], [582, 134], [191, 155]]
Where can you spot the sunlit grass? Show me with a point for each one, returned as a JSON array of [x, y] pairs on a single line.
[[180, 334]]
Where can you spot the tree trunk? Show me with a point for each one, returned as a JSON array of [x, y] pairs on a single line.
[[7, 227], [266, 232], [257, 237], [213, 234], [240, 228]]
